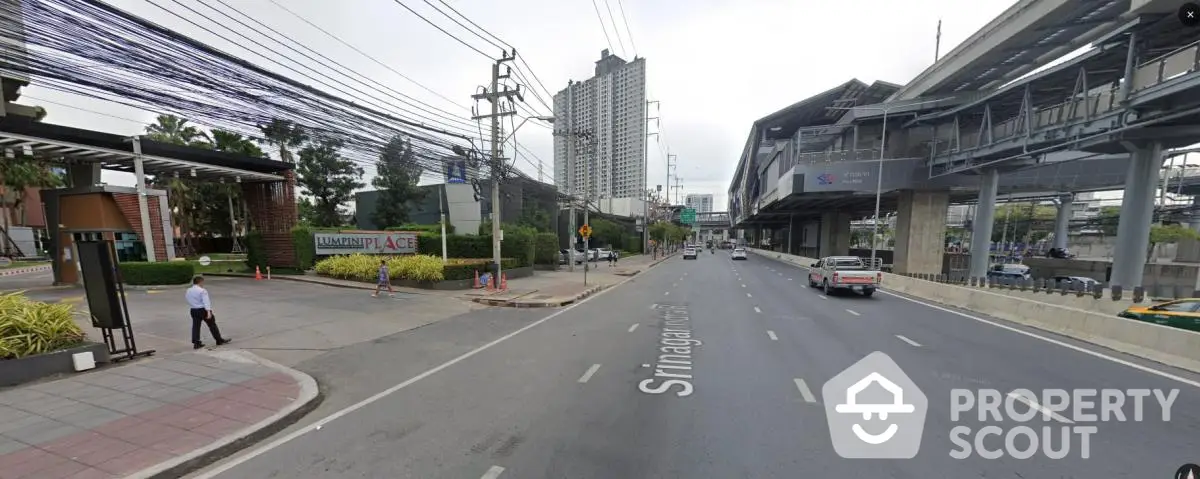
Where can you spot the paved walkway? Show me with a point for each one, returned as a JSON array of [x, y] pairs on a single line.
[[562, 287], [154, 416]]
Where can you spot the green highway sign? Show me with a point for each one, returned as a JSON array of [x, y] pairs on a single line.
[[688, 216]]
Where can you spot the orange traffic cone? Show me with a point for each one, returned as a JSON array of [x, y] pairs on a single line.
[[476, 285], [489, 283], [257, 274], [504, 281]]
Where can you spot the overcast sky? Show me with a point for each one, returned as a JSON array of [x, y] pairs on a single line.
[[715, 65]]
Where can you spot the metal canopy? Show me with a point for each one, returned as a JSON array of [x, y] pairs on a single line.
[[118, 160]]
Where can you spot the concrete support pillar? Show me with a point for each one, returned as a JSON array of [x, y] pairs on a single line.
[[139, 173], [921, 231], [793, 234], [1137, 214], [835, 234], [981, 226], [1062, 220]]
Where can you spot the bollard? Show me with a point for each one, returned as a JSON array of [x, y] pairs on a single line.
[[972, 281], [1139, 294], [1025, 283], [1079, 288], [1097, 290], [1116, 292], [1038, 284]]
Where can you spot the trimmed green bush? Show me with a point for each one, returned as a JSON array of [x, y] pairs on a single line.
[[519, 244], [256, 251], [457, 246], [546, 249], [305, 246], [433, 228], [169, 272]]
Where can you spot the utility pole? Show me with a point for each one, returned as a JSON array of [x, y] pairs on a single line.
[[669, 166], [494, 95], [570, 135], [646, 178]]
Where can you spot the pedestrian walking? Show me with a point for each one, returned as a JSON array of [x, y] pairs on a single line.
[[202, 312], [613, 257], [385, 280]]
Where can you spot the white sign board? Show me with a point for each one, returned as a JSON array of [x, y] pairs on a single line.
[[366, 243], [205, 261]]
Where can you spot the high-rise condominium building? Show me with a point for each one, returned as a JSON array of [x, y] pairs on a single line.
[[608, 112], [701, 203]]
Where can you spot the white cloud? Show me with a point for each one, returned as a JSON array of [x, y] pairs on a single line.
[[715, 65]]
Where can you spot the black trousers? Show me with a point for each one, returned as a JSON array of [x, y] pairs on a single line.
[[200, 315]]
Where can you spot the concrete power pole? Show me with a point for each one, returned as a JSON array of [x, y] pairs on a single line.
[[494, 95], [570, 135], [646, 179]]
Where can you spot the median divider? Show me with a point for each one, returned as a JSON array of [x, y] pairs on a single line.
[[1172, 346]]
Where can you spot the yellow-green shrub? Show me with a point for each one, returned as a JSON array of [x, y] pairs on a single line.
[[29, 327], [361, 267]]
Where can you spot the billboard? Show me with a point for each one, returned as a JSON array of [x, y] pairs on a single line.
[[456, 170], [381, 242]]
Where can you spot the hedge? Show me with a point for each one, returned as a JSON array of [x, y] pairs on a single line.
[[434, 228], [163, 273], [457, 246], [360, 267], [546, 249], [256, 251]]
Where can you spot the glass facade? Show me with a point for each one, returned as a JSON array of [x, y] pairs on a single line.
[[129, 247]]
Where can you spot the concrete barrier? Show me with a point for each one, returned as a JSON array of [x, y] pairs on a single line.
[[1097, 325]]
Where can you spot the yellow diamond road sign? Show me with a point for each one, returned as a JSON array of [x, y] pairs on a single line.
[[585, 231]]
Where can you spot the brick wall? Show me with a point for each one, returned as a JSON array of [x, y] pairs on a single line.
[[128, 204]]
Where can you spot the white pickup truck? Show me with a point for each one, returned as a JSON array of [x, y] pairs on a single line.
[[836, 273]]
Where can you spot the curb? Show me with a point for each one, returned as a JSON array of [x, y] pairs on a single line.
[[516, 303], [25, 270], [310, 397], [300, 279], [154, 287]]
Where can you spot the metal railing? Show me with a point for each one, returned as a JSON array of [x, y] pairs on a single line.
[[1167, 67]]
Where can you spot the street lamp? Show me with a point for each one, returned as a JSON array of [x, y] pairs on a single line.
[[547, 119], [882, 156]]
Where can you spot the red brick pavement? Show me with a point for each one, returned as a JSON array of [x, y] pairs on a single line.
[[133, 443]]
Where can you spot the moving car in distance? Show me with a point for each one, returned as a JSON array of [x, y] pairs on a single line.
[[738, 253], [689, 252], [844, 273]]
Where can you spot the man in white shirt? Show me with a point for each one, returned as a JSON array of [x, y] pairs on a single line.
[[201, 311]]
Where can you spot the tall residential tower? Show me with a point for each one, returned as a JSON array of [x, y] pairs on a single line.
[[702, 203], [610, 108]]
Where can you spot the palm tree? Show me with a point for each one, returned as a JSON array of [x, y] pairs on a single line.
[[285, 135], [235, 143], [180, 195], [175, 130]]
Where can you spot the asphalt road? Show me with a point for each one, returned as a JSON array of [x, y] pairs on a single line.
[[567, 395]]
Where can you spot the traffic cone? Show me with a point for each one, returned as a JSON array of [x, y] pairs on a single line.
[[257, 274], [503, 281], [476, 285]]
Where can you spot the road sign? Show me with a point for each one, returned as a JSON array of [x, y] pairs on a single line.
[[688, 216], [585, 231]]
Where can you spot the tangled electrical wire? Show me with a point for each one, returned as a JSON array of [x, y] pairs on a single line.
[[90, 48]]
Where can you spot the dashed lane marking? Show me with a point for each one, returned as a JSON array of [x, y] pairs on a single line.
[[805, 391], [909, 341], [588, 374], [1039, 407], [822, 296], [748, 295], [666, 293], [633, 327], [771, 334], [492, 473], [851, 311], [757, 310]]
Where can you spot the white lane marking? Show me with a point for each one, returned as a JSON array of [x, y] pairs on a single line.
[[909, 341], [771, 334], [588, 374], [743, 286], [666, 293], [265, 448], [789, 279], [805, 391], [633, 327], [822, 296], [851, 311], [781, 274], [492, 473], [757, 310], [1083, 350], [1035, 405], [748, 295], [674, 285]]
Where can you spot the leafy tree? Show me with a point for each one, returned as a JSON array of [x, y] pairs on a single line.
[[1024, 222], [306, 212], [182, 194], [17, 175], [1108, 219], [285, 135], [329, 178], [1164, 234], [396, 177], [211, 201], [175, 130], [605, 232]]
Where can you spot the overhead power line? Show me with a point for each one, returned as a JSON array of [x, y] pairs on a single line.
[[443, 30], [602, 26], [625, 20], [616, 30]]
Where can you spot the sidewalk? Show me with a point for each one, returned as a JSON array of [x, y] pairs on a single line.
[[551, 289], [155, 417]]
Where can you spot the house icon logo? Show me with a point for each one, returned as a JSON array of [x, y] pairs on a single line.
[[874, 410], [825, 179]]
